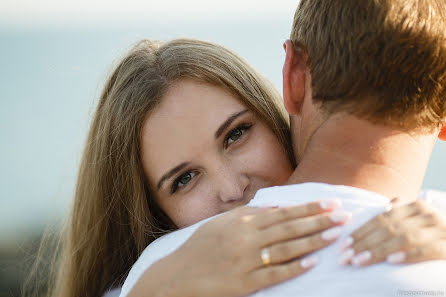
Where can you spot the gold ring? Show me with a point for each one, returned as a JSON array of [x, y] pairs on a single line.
[[265, 256]]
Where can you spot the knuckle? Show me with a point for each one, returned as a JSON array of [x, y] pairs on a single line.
[[284, 212], [359, 247], [382, 219], [431, 218], [288, 228], [435, 219], [313, 207], [394, 228], [420, 205], [388, 214], [406, 239]]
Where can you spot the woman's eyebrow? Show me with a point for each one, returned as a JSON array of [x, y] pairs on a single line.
[[170, 173], [228, 122]]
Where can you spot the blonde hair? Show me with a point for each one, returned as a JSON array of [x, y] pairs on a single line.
[[114, 217], [383, 60]]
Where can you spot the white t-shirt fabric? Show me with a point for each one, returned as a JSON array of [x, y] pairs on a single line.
[[327, 278]]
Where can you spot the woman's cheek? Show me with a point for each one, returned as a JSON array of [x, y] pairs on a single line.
[[268, 158], [194, 207]]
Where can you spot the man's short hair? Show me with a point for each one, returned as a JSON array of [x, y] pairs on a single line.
[[384, 60]]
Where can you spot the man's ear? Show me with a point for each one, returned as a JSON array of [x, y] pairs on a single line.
[[293, 78], [442, 134]]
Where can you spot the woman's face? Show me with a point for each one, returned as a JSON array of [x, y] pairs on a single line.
[[204, 153]]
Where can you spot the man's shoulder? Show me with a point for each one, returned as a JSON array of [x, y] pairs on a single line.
[[306, 192]]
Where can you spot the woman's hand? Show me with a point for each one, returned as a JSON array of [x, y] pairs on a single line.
[[247, 249], [408, 233]]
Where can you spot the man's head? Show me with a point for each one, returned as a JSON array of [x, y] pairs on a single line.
[[380, 60]]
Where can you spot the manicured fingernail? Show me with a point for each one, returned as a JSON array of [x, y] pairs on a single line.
[[308, 262], [340, 216], [346, 243], [330, 204], [331, 233], [396, 258], [345, 257], [361, 258]]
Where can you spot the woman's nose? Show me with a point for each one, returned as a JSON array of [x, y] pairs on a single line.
[[231, 185]]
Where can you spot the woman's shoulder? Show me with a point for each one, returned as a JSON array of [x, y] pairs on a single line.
[[157, 250]]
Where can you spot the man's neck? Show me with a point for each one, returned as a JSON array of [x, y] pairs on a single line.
[[349, 151]]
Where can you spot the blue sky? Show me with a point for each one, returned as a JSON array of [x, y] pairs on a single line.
[[100, 13]]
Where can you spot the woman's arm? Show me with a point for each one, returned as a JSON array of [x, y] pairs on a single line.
[[229, 255]]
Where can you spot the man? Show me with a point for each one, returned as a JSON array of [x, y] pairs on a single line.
[[364, 83]]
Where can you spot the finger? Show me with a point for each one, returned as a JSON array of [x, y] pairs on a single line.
[[407, 210], [376, 237], [278, 215], [304, 226], [395, 200], [290, 250], [274, 274], [432, 251], [374, 224], [407, 241], [430, 218], [371, 240], [383, 221], [379, 253]]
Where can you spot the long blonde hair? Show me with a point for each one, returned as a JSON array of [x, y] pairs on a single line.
[[114, 217]]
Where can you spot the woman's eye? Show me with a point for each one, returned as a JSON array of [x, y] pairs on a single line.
[[235, 134], [182, 180]]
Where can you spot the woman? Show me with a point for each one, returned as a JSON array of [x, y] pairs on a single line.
[[130, 190]]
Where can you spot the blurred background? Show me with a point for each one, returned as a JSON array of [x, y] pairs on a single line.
[[54, 58]]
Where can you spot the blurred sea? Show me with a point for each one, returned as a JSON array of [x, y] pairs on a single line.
[[49, 83]]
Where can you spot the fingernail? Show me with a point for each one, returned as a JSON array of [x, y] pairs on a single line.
[[345, 257], [331, 233], [340, 216], [346, 243], [361, 258], [308, 262], [396, 258], [330, 204]]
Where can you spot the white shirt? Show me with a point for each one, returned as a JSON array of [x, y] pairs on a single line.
[[327, 278]]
